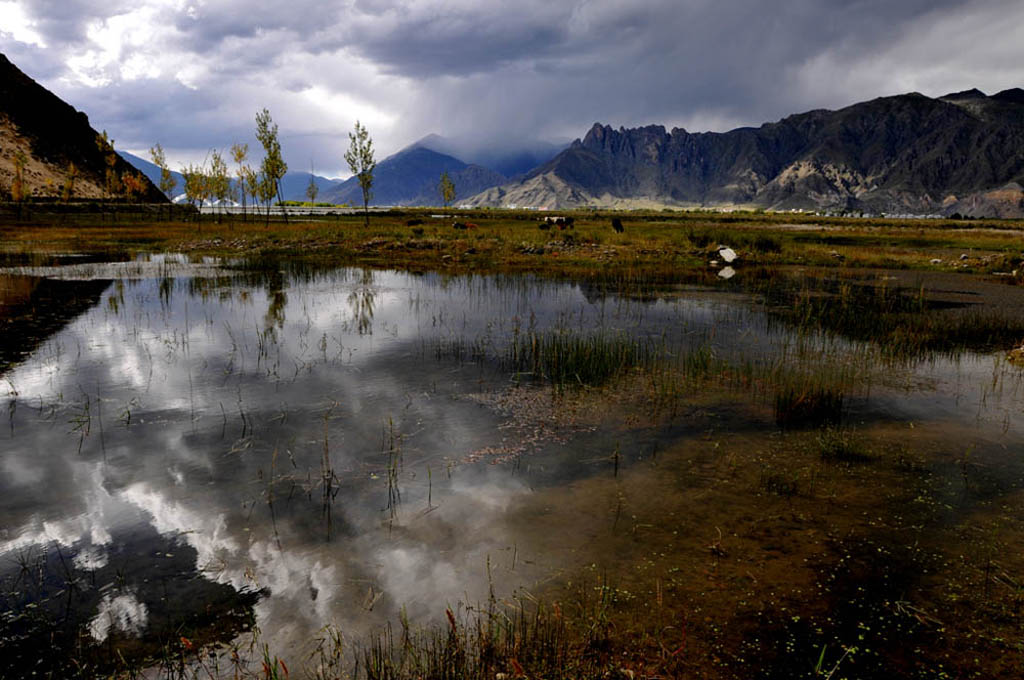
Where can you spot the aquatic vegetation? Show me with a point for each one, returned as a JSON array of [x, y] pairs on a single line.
[[694, 476], [564, 358]]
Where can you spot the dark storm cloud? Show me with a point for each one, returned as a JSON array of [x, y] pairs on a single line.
[[498, 71]]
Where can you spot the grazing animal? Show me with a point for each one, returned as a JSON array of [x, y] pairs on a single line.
[[561, 222], [415, 222], [458, 225], [471, 225], [617, 225], [544, 226]]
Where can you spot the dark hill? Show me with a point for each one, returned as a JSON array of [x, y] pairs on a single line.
[[52, 135], [411, 177]]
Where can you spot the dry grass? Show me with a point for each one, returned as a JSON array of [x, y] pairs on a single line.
[[512, 241]]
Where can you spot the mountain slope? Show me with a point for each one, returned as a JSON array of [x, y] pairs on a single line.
[[52, 135], [411, 176], [509, 157], [294, 185], [152, 172], [908, 153]]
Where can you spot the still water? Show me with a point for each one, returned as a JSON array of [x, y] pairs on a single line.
[[199, 451]]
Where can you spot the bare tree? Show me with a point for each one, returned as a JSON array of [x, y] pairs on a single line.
[[360, 161]]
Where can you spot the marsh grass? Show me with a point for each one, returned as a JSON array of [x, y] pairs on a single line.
[[508, 240], [905, 323], [842, 446], [807, 406], [563, 358]]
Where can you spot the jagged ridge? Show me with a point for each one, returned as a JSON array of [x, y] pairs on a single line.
[[907, 153]]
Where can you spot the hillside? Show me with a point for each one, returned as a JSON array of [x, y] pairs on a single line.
[[53, 136], [411, 176], [908, 153]]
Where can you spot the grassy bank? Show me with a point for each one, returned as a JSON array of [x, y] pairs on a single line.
[[515, 241]]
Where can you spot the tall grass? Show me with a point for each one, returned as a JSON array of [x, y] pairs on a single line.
[[564, 358], [905, 323]]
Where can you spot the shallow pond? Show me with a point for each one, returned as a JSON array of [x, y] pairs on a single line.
[[198, 452]]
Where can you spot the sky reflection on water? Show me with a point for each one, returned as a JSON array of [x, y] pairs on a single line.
[[254, 429]]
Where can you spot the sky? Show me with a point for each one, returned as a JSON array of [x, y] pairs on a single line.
[[191, 74]]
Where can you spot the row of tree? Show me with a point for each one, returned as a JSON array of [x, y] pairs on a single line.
[[130, 185], [211, 181]]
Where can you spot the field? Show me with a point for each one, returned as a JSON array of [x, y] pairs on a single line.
[[512, 240]]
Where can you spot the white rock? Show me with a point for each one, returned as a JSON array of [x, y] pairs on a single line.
[[727, 254], [727, 273], [936, 260]]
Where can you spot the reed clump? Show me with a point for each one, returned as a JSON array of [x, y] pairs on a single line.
[[564, 358], [813, 406]]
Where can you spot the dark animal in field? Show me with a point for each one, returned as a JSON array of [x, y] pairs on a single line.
[[415, 222], [617, 225], [561, 222], [544, 226], [459, 225]]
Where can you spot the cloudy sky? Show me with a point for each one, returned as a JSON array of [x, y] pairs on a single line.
[[191, 74]]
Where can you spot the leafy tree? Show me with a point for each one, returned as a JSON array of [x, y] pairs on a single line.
[[239, 154], [196, 185], [447, 189], [167, 181], [266, 190], [312, 191], [250, 182], [360, 161], [273, 167], [134, 185], [106, 147], [218, 180], [18, 192], [68, 189]]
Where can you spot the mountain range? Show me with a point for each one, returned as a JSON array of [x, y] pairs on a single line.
[[963, 152], [409, 177], [960, 153]]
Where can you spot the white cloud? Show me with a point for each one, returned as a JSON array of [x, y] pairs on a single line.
[[17, 25], [123, 612]]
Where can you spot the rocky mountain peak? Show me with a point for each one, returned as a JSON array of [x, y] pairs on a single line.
[[1014, 95], [973, 93]]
